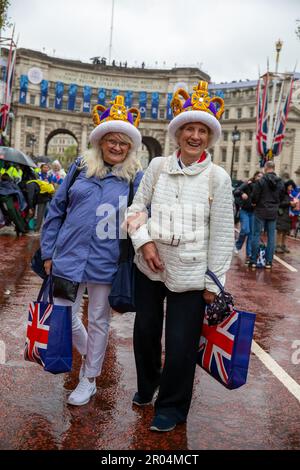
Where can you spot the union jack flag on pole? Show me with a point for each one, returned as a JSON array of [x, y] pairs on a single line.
[[272, 117]]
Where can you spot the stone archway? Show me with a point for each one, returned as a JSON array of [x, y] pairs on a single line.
[[56, 132], [151, 148]]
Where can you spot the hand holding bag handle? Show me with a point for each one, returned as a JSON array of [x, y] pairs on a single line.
[[215, 279], [222, 306], [46, 291]]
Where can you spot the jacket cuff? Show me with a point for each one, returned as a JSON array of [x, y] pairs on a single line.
[[140, 237], [211, 286]]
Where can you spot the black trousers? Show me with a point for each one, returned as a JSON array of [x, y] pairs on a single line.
[[184, 318]]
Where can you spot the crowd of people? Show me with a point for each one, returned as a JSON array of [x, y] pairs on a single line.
[[266, 205], [25, 193]]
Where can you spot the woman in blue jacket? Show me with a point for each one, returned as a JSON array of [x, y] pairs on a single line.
[[80, 237]]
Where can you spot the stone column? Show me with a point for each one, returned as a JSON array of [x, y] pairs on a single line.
[[42, 138], [83, 145], [216, 158], [17, 134], [166, 150], [241, 162]]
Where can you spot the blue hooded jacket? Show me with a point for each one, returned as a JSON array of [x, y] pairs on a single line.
[[84, 245]]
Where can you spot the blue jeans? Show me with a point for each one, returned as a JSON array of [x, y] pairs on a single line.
[[246, 219], [258, 226]]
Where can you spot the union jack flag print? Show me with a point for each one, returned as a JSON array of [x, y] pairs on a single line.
[[37, 332], [224, 349]]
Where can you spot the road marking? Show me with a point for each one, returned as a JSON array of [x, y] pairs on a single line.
[[292, 386], [2, 352], [286, 265]]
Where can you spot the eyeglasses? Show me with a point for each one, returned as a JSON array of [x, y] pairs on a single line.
[[114, 143]]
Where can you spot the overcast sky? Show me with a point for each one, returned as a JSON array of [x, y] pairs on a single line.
[[228, 39]]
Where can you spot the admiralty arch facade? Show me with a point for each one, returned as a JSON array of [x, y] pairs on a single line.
[[33, 126]]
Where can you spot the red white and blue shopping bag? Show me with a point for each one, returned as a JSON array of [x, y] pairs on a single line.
[[224, 350], [49, 332]]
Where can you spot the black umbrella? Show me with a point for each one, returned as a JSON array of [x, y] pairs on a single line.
[[41, 159], [9, 154]]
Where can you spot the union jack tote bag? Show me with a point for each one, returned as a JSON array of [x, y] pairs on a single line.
[[49, 332], [224, 350]]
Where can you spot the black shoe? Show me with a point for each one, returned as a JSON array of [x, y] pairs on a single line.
[[248, 260], [268, 265], [162, 423], [139, 401]]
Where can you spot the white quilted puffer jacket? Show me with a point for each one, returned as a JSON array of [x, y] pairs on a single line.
[[192, 234]]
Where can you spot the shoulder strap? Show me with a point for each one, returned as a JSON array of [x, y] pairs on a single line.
[[72, 181], [210, 185], [126, 247], [131, 194], [158, 171]]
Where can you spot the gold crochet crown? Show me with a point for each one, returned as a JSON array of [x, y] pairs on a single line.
[[198, 101], [116, 112]]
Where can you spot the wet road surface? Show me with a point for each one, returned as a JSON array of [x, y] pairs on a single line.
[[263, 414]]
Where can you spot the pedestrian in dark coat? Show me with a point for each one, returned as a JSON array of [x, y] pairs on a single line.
[[243, 195], [267, 194]]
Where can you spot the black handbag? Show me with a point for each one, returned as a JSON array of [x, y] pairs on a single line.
[[64, 288], [122, 294]]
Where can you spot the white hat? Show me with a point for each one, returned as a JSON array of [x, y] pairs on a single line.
[[116, 119], [198, 107]]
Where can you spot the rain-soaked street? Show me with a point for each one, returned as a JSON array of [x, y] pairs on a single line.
[[263, 414]]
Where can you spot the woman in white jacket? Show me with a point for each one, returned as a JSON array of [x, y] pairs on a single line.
[[190, 230]]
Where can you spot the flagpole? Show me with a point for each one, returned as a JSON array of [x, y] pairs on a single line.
[[271, 121], [111, 31]]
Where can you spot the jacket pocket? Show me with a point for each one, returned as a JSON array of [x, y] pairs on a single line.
[[192, 257]]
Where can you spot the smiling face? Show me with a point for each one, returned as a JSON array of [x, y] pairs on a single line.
[[193, 140], [115, 148]]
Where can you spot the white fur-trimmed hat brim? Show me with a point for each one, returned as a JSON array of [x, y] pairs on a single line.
[[196, 116], [116, 126]]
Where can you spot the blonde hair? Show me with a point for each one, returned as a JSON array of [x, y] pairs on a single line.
[[95, 165]]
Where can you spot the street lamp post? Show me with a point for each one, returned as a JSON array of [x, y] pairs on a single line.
[[278, 45], [235, 137], [32, 142]]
